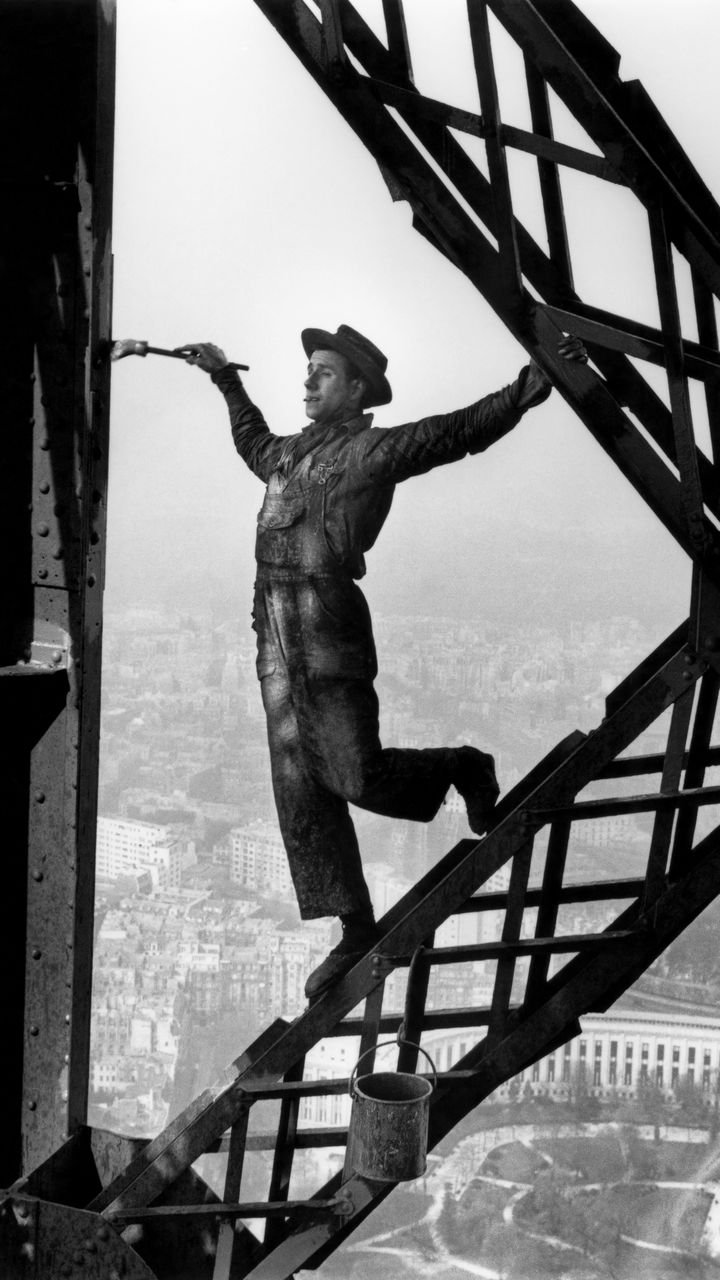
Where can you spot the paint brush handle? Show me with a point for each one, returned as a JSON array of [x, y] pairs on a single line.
[[183, 352]]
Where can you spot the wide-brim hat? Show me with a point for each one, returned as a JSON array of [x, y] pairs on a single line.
[[360, 351]]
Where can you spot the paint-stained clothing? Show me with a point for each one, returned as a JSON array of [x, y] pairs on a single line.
[[329, 491]]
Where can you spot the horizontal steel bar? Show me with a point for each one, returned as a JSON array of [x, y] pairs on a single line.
[[312, 1088], [305, 1140], [524, 947], [432, 1020], [634, 339], [629, 804], [592, 891], [29, 671], [636, 766], [250, 1209]]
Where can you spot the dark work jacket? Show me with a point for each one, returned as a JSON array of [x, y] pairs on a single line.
[[329, 491]]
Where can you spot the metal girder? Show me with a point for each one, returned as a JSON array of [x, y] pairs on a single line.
[[55, 268], [443, 219]]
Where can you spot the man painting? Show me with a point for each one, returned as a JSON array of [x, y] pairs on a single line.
[[328, 492]]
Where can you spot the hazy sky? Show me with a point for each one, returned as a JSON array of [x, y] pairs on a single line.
[[246, 210]]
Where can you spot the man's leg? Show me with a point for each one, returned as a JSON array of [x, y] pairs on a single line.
[[316, 827], [338, 723]]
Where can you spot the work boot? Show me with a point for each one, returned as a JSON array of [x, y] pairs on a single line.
[[476, 782], [358, 936]]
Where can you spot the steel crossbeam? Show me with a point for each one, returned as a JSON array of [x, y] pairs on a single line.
[[361, 96]]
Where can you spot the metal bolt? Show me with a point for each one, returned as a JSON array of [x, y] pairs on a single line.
[[58, 553], [687, 675], [45, 487], [22, 1211], [36, 953], [32, 1105], [34, 1030], [57, 655], [103, 1233], [37, 875], [45, 443], [43, 530], [39, 796]]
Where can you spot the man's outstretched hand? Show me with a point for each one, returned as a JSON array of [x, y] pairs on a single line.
[[204, 355]]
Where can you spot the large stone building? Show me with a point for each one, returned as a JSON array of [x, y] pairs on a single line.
[[127, 847]]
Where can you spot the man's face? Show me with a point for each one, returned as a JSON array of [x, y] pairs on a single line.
[[328, 389]]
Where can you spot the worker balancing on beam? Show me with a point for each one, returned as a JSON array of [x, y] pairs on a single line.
[[329, 488]]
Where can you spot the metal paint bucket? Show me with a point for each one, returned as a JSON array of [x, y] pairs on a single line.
[[387, 1138]]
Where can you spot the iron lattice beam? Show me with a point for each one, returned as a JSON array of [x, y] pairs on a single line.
[[55, 265], [506, 264]]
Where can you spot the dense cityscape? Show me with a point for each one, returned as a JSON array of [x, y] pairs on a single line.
[[196, 919], [199, 945]]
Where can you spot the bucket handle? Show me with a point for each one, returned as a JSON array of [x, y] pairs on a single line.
[[382, 1044]]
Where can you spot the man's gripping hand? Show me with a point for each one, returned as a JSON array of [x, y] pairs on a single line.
[[204, 355], [537, 387]]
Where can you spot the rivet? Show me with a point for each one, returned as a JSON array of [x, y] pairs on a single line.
[[32, 1105], [42, 573], [688, 660], [67, 1017], [39, 796], [87, 271], [91, 580], [45, 443], [45, 487], [43, 530], [36, 953], [57, 553], [34, 1030], [37, 875], [91, 1246], [103, 1233], [66, 1057], [57, 655], [22, 1211], [687, 675], [713, 643]]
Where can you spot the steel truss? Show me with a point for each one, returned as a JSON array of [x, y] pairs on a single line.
[[544, 978]]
